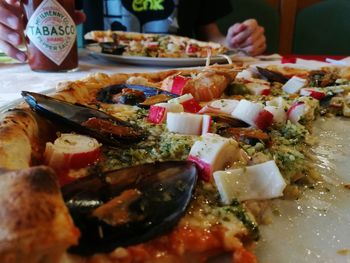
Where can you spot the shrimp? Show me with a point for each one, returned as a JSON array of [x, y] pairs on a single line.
[[205, 86]]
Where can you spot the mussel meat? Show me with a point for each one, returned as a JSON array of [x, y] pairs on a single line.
[[95, 123], [129, 206], [272, 76], [249, 135], [133, 95], [227, 120]]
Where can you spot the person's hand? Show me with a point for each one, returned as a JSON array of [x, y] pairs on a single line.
[[248, 36], [11, 28]]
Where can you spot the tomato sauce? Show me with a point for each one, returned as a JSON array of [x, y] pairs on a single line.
[[51, 35]]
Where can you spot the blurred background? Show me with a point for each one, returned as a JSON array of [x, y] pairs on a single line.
[[298, 26]]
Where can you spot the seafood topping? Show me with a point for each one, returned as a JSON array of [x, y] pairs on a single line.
[[133, 95], [319, 78], [114, 47], [111, 48], [110, 129], [239, 133], [79, 118], [205, 86], [130, 205], [272, 76], [129, 96], [156, 99], [227, 120]]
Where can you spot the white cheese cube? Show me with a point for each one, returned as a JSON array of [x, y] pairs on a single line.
[[247, 111], [279, 115], [181, 99], [171, 107], [184, 123], [213, 152], [277, 102], [258, 87], [257, 182], [294, 84], [245, 74], [225, 105]]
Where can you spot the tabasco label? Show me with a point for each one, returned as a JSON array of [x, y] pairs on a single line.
[[52, 30]]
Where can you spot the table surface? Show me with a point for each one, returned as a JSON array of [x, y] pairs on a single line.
[[16, 77]]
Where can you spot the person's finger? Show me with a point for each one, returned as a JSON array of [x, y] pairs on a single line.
[[237, 40], [236, 28], [79, 17], [257, 35], [12, 51], [12, 2], [232, 32], [10, 36], [252, 49], [257, 48], [251, 23], [10, 16], [250, 27]]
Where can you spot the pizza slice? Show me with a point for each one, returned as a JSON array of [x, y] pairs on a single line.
[[258, 127], [153, 45]]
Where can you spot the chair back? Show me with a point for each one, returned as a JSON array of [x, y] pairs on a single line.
[[323, 28]]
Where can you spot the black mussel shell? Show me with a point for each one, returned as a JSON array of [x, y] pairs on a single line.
[[75, 117], [272, 76], [165, 191], [106, 94], [227, 120], [112, 48]]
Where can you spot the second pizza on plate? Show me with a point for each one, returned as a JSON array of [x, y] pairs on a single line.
[[154, 45]]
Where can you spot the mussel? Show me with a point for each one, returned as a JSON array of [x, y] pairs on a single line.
[[112, 48], [95, 123], [133, 95], [321, 78], [130, 205], [248, 135], [227, 120], [272, 76]]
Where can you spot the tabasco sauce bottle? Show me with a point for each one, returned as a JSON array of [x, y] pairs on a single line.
[[51, 35]]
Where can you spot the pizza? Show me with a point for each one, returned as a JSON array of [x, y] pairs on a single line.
[[172, 166], [154, 45]]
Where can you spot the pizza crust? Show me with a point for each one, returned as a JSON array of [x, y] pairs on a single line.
[[34, 222]]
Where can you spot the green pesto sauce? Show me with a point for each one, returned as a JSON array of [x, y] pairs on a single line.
[[206, 201], [238, 211]]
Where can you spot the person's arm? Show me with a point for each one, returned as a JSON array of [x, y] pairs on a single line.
[[11, 28], [248, 36]]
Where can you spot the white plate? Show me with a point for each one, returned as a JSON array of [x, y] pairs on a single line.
[[315, 228], [95, 50]]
